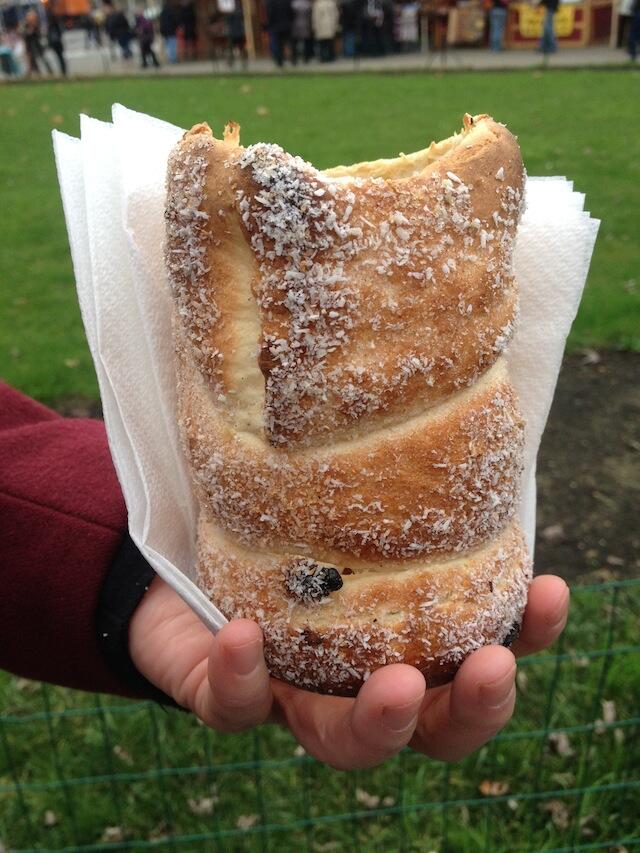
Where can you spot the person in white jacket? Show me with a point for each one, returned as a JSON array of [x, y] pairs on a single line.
[[325, 18]]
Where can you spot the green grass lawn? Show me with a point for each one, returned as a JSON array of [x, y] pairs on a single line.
[[156, 775], [581, 124]]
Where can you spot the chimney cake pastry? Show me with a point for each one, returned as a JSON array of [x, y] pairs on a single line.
[[346, 410]]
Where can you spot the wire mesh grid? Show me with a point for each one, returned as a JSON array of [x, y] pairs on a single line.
[[86, 773]]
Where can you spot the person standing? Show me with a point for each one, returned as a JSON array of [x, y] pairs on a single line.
[[168, 23], [54, 39], [33, 44], [301, 30], [233, 20], [325, 19], [145, 34], [351, 26], [634, 30], [497, 24], [189, 24], [117, 28], [548, 43], [279, 20]]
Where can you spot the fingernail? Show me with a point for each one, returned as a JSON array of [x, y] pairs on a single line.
[[495, 693], [245, 658], [557, 614], [400, 718]]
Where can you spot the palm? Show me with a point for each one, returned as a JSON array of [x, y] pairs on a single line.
[[224, 681]]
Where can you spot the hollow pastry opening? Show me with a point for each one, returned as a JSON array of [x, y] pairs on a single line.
[[405, 165]]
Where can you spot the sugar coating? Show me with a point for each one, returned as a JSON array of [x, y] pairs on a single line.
[[342, 471]]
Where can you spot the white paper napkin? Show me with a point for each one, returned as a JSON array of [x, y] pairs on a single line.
[[112, 182]]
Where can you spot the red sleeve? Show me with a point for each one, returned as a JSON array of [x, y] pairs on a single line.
[[62, 520]]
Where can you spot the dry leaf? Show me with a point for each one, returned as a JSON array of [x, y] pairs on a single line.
[[560, 816], [121, 753], [513, 804], [245, 88], [246, 821], [591, 356], [262, 111], [50, 818], [112, 833], [495, 788], [71, 362], [560, 744], [609, 711], [552, 533], [615, 561], [203, 806], [57, 119], [369, 801], [582, 661], [299, 751], [521, 680], [388, 802], [25, 684]]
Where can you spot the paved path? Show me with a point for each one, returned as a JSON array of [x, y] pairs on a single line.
[[99, 62]]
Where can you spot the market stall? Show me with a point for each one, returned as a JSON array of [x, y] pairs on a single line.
[[576, 24]]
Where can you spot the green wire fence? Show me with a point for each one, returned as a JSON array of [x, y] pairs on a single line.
[[87, 773]]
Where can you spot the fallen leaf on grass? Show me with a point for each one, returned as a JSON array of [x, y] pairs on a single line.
[[490, 788], [25, 684], [262, 111], [591, 356], [121, 753], [521, 680], [560, 744], [513, 804], [608, 716], [203, 806], [299, 751], [50, 818], [560, 816], [552, 533], [246, 821], [245, 88], [615, 561], [71, 362], [57, 119], [112, 833], [369, 801]]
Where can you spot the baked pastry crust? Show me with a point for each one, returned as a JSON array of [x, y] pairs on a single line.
[[354, 439]]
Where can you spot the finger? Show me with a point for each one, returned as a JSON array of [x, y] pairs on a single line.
[[545, 616], [350, 734], [235, 693], [472, 709]]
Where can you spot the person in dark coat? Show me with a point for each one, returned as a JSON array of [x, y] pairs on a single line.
[[351, 26], [33, 44], [145, 34], [168, 23], [634, 30], [548, 43], [118, 29], [189, 25], [54, 39], [279, 21], [233, 20]]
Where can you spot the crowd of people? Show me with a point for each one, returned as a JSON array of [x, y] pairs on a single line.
[[297, 31]]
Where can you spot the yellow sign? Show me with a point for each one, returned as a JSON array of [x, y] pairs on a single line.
[[530, 19]]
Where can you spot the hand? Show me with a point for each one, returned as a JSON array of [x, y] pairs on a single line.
[[224, 681]]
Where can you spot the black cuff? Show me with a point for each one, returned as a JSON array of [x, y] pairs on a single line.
[[127, 580]]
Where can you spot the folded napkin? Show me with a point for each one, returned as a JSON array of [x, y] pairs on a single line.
[[112, 182]]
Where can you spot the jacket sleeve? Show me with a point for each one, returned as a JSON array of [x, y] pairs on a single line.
[[70, 577]]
